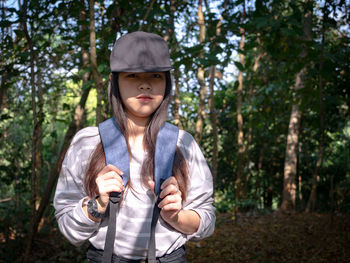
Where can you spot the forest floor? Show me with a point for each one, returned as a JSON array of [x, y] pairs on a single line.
[[260, 238], [276, 238]]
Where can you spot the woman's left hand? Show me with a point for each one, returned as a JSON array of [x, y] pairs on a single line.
[[171, 204]]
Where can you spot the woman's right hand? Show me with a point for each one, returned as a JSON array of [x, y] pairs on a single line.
[[108, 180]]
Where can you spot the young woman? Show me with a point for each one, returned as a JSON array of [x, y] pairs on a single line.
[[139, 96]]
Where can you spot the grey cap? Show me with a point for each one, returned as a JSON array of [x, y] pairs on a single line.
[[140, 52]]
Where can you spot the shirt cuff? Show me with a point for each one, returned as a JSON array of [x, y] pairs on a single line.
[[197, 235]]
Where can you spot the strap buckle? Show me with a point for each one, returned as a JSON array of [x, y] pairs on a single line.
[[114, 197]]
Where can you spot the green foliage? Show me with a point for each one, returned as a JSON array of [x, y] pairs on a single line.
[[225, 200], [273, 33]]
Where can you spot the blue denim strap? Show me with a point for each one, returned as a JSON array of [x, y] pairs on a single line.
[[115, 147], [164, 155]]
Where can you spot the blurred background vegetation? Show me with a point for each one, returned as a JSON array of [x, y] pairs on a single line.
[[262, 85]]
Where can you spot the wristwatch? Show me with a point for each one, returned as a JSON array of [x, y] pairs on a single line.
[[92, 208]]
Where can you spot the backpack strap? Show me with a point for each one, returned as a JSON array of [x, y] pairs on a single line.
[[163, 169], [116, 153], [164, 154]]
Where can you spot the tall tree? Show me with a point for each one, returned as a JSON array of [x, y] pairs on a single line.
[[36, 94], [93, 60], [315, 176], [213, 114], [170, 37], [4, 73], [240, 135], [200, 76], [290, 163], [251, 93]]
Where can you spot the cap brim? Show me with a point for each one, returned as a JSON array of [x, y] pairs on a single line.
[[141, 69]]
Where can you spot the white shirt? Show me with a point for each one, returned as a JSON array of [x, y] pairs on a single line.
[[135, 212]]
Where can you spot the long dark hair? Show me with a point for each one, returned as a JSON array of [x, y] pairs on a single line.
[[156, 121]]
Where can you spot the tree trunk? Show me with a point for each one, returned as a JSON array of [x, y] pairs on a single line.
[[176, 107], [240, 144], [3, 87], [201, 79], [315, 177], [23, 8], [213, 120], [3, 90], [146, 15], [290, 163], [259, 174], [36, 135], [39, 134], [213, 115], [250, 120], [93, 60], [105, 52], [170, 37]]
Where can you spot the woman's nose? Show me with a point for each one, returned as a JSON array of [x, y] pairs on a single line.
[[145, 85]]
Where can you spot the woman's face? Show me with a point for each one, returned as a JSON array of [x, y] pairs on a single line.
[[141, 93]]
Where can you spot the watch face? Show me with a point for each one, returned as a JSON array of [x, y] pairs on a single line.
[[92, 208]]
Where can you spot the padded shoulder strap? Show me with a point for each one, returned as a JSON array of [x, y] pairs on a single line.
[[164, 155], [114, 146]]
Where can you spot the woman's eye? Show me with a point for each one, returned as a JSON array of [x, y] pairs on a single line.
[[156, 75]]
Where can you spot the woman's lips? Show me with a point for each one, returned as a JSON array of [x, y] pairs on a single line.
[[144, 98]]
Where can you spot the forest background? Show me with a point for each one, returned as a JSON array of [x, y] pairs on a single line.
[[263, 86]]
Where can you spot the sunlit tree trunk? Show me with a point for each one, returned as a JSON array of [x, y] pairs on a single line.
[[105, 52], [315, 177], [213, 120], [79, 113], [241, 149], [201, 78], [93, 60], [290, 163], [176, 98], [170, 37]]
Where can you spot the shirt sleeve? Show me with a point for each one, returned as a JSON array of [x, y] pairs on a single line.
[[200, 187], [70, 194]]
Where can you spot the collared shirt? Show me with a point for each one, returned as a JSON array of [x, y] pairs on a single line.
[[135, 212]]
